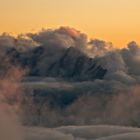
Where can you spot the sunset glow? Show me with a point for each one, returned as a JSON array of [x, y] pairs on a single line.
[[112, 20]]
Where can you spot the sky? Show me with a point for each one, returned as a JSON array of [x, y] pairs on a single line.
[[117, 21]]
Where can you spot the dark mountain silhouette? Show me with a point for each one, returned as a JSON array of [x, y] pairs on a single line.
[[69, 64]]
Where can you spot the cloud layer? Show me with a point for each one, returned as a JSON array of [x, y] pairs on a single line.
[[83, 133], [98, 97]]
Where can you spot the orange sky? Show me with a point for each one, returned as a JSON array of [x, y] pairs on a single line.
[[112, 20]]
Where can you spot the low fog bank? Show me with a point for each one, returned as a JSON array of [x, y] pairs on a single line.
[[83, 133], [9, 126], [10, 97], [54, 103]]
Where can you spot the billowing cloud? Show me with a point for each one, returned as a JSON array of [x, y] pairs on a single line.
[[97, 47], [21, 42], [97, 132], [121, 64], [131, 56], [63, 37], [66, 52]]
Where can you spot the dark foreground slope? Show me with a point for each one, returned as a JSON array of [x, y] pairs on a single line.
[[69, 64]]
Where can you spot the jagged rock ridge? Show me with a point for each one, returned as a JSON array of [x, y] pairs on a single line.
[[70, 64]]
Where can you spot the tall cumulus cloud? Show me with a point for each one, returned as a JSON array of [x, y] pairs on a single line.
[[122, 65]]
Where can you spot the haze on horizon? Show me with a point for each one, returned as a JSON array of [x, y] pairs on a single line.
[[110, 20]]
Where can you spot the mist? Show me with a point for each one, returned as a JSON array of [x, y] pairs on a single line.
[[60, 77], [10, 90]]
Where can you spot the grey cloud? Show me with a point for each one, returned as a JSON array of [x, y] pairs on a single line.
[[96, 132], [121, 76], [63, 37], [131, 56], [21, 43], [122, 65], [97, 47]]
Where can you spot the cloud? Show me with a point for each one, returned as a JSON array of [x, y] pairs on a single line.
[[53, 45], [97, 47], [21, 43], [63, 37], [121, 64], [121, 76], [9, 128], [51, 134], [10, 98], [131, 56], [97, 132]]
